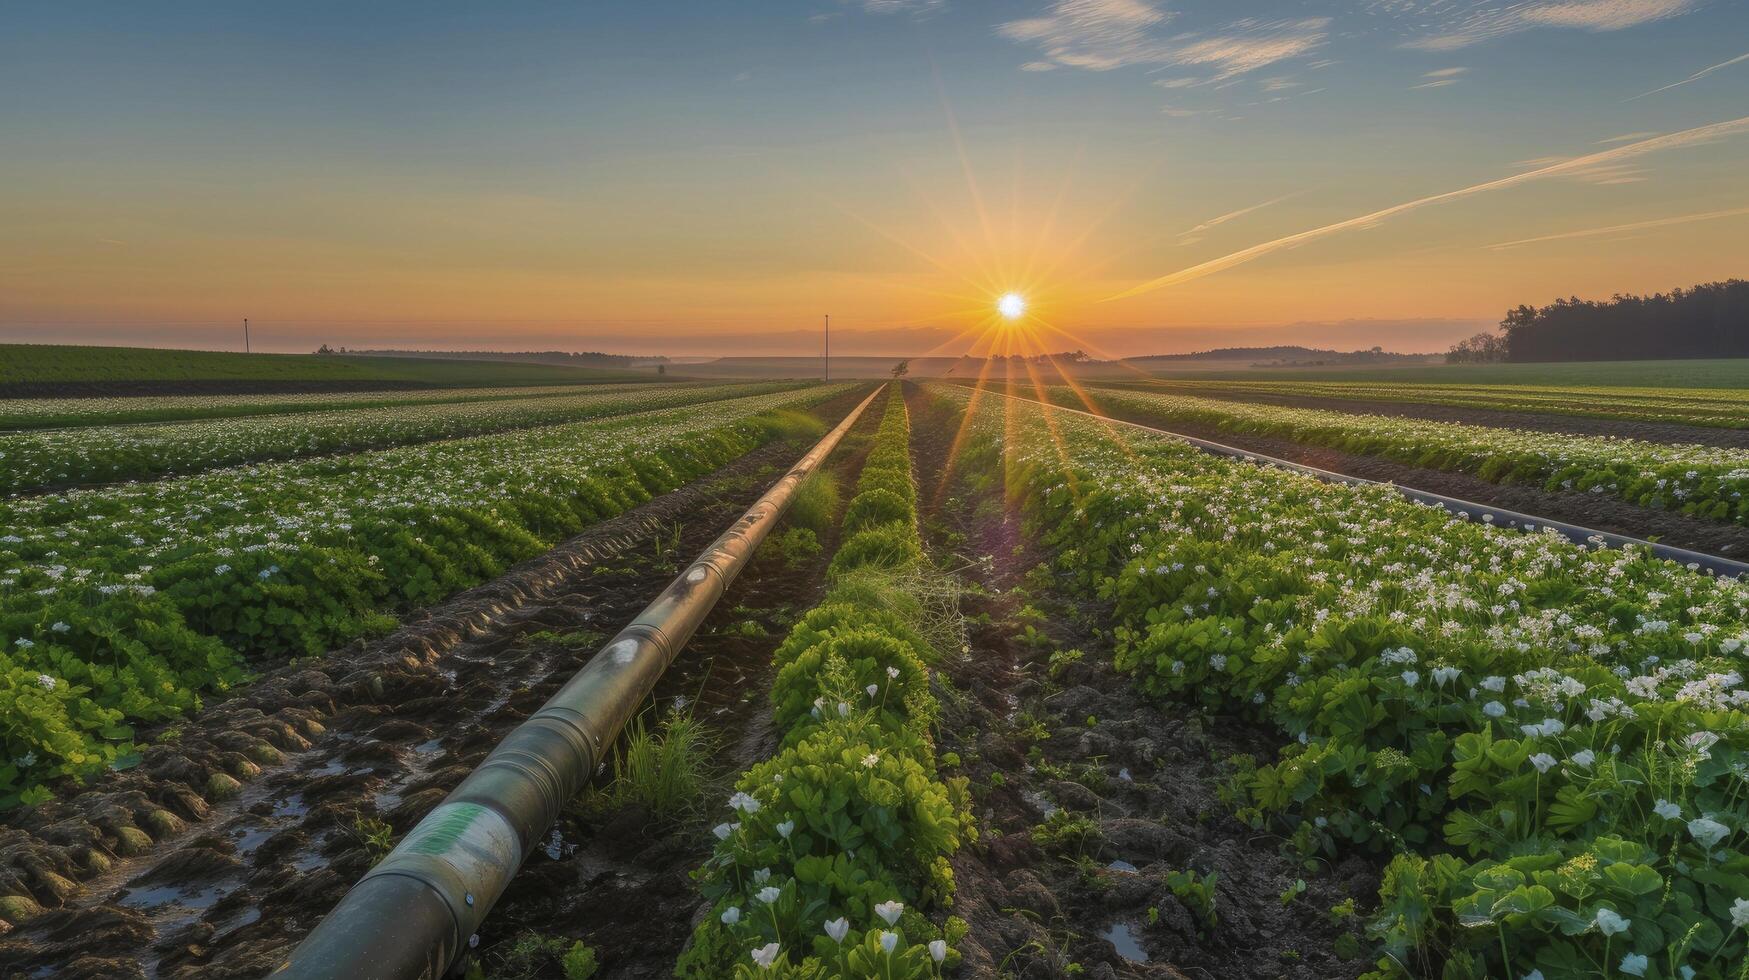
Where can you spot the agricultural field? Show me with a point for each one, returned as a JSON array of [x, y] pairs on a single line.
[[44, 365], [1723, 408], [1009, 691], [88, 455]]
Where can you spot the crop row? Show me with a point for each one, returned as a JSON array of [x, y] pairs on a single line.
[[1714, 407], [125, 604], [34, 461], [1550, 741], [837, 846], [1704, 481], [40, 413]]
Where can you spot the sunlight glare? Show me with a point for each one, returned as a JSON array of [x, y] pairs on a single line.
[[1011, 306]]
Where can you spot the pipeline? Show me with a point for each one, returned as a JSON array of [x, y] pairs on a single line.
[[1499, 517], [411, 916]]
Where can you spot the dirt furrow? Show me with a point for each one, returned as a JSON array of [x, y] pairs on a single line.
[[1093, 801]]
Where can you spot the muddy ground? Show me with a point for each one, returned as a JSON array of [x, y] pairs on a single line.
[[1597, 511], [1579, 425], [1089, 798], [245, 824]]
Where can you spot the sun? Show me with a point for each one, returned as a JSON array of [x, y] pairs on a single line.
[[1011, 306]]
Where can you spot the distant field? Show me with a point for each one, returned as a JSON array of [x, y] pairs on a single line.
[[1719, 373], [56, 364]]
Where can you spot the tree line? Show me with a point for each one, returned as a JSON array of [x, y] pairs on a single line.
[[1709, 320]]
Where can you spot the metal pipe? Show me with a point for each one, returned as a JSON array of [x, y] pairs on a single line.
[[1500, 517], [412, 914]]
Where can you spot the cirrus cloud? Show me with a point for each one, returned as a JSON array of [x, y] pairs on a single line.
[[1101, 35]]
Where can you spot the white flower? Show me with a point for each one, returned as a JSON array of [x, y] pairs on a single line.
[[1707, 831], [889, 911], [1533, 975], [838, 928], [769, 894], [893, 673], [744, 803], [889, 940], [60, 627], [873, 689], [1445, 675], [1493, 709], [1609, 923], [1495, 684], [761, 876], [786, 828], [843, 710], [24, 644], [766, 955], [1740, 913], [731, 915], [1667, 810], [45, 682], [1411, 678], [1634, 964], [1584, 758], [221, 569], [723, 830], [871, 760], [1542, 761], [938, 948]]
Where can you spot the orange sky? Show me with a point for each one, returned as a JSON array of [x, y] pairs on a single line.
[[646, 186]]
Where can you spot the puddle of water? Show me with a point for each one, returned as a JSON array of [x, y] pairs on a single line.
[[1122, 867], [200, 897], [1124, 941], [291, 806], [250, 838], [1124, 774]]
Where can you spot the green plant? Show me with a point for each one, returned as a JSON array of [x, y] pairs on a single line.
[[664, 769], [579, 962], [815, 504], [376, 835], [1197, 893]]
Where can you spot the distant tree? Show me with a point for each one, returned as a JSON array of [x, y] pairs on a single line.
[[1483, 348], [661, 369], [324, 349], [1709, 320], [901, 369]]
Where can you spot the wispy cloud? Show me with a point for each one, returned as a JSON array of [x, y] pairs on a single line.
[[1627, 137], [1458, 26], [1605, 174], [1436, 83], [1680, 219], [1100, 35], [1232, 215], [902, 6], [1687, 137], [1694, 77]]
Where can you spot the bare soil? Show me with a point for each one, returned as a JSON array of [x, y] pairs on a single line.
[[1145, 777], [246, 823]]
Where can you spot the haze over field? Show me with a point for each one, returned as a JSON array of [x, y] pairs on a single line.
[[1153, 176]]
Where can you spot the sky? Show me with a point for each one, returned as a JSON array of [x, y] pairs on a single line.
[[1151, 176]]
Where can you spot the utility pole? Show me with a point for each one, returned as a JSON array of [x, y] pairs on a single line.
[[245, 335], [828, 347]]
